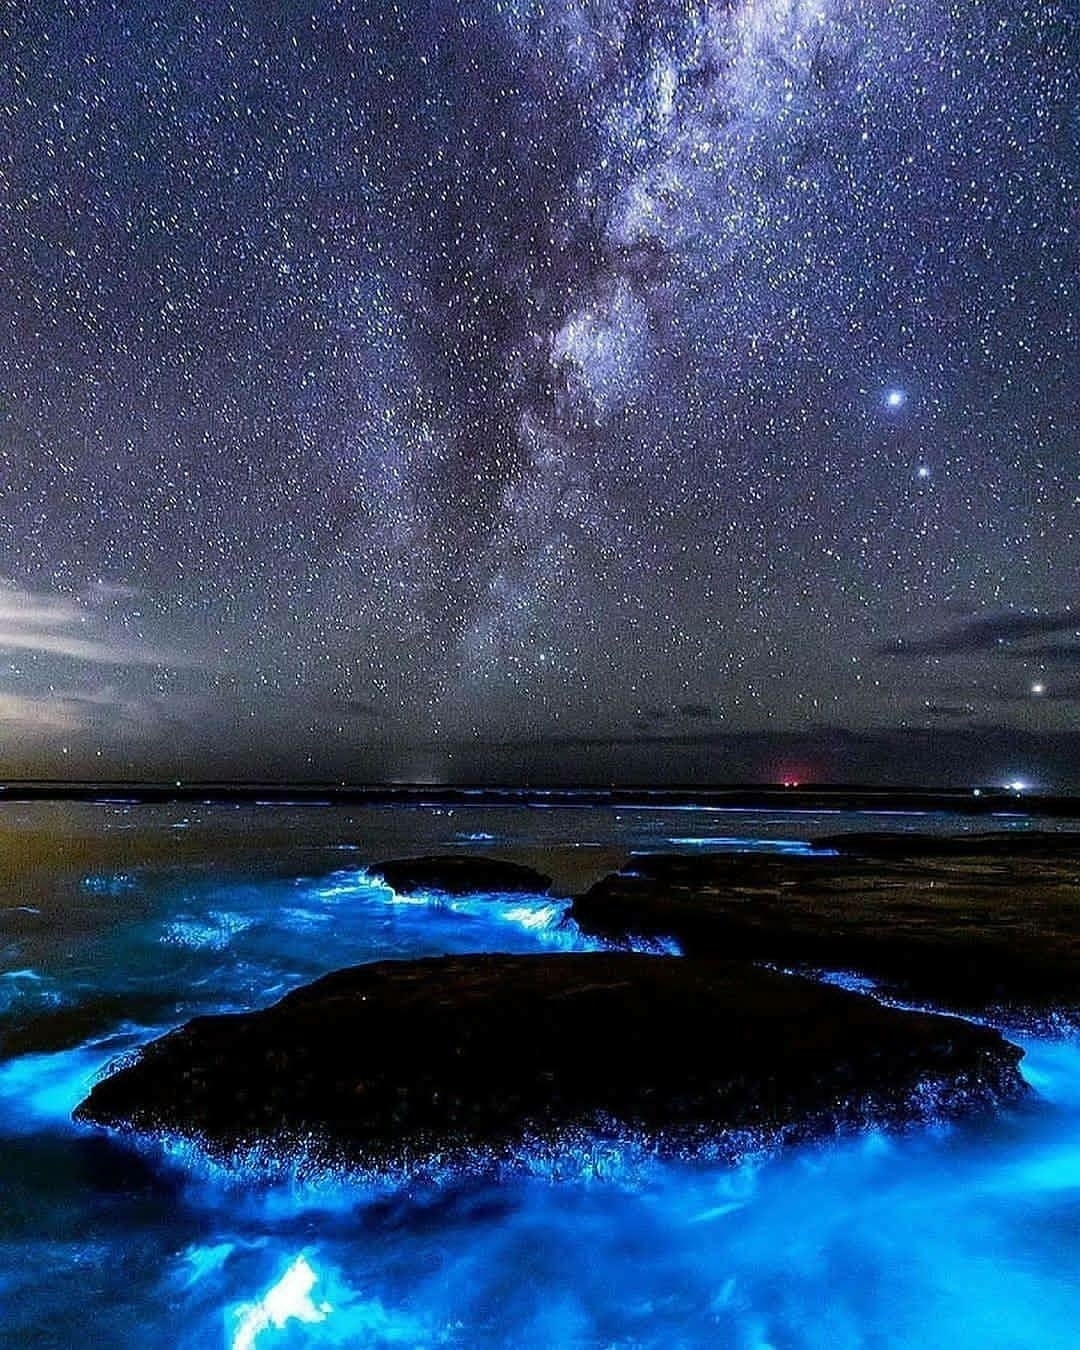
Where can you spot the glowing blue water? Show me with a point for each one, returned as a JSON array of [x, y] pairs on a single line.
[[729, 843], [964, 1236]]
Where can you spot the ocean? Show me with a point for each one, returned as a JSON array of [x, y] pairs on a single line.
[[119, 921]]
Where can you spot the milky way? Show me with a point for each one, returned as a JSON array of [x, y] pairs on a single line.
[[572, 388]]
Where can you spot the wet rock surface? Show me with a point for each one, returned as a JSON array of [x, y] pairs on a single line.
[[460, 874], [1000, 844], [404, 1058], [956, 921]]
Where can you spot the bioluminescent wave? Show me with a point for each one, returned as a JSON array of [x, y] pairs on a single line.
[[963, 1235], [743, 844], [289, 1300]]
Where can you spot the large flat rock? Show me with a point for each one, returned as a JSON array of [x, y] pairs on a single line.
[[946, 919], [461, 874], [406, 1058]]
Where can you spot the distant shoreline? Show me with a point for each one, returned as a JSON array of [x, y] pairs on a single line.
[[985, 801]]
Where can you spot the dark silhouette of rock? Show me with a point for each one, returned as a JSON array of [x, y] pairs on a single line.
[[963, 928], [460, 874], [402, 1059], [1003, 843]]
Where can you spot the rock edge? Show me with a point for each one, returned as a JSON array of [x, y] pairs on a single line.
[[409, 1057]]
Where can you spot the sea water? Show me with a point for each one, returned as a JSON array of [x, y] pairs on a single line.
[[119, 922]]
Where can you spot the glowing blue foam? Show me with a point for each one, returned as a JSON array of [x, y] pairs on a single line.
[[962, 1235], [107, 883], [288, 1300], [35, 1089], [753, 844], [215, 931], [203, 1263]]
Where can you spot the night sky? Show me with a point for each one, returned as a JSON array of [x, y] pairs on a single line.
[[539, 389]]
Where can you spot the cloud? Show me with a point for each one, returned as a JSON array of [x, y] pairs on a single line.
[[1067, 693], [352, 707], [41, 715], [71, 712], [1055, 653], [957, 753], [85, 678], [987, 634], [833, 735], [692, 711], [74, 628]]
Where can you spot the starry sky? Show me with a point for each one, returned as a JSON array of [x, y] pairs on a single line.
[[528, 390]]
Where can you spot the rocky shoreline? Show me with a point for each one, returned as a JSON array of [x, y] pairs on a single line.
[[968, 924], [409, 1058], [482, 1049]]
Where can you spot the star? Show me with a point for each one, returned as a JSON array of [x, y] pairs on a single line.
[[366, 381]]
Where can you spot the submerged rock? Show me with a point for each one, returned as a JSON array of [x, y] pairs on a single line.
[[460, 874], [403, 1058], [956, 925], [1001, 843]]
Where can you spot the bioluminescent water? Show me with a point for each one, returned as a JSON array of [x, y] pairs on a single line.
[[117, 923]]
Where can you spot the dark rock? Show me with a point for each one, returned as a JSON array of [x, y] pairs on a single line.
[[459, 874], [406, 1058], [1002, 843], [968, 930]]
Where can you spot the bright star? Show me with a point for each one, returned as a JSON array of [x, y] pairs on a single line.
[[923, 471], [895, 399], [1038, 687]]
